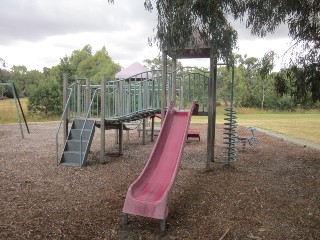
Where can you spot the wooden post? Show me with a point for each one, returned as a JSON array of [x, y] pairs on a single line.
[[174, 80], [152, 128], [65, 98], [118, 108], [120, 99], [211, 111], [88, 95], [116, 136], [102, 139], [120, 139], [145, 95], [144, 131], [164, 85]]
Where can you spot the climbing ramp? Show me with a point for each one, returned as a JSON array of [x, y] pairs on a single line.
[[148, 195], [78, 143]]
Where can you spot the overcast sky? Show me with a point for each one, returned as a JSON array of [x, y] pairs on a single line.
[[37, 33]]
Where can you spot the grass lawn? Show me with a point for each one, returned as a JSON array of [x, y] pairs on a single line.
[[8, 112], [301, 125], [305, 126]]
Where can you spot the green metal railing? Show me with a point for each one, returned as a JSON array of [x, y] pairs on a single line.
[[124, 97], [139, 92], [191, 85], [132, 96], [65, 111], [84, 124]]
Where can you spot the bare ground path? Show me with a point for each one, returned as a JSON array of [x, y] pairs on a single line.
[[272, 192]]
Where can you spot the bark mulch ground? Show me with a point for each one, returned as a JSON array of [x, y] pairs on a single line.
[[271, 192]]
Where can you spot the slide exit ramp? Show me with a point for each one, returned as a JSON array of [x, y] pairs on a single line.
[[148, 195]]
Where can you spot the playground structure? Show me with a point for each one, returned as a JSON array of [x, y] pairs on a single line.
[[113, 104], [139, 97], [11, 87]]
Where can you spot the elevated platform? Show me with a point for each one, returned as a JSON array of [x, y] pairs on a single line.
[[114, 123]]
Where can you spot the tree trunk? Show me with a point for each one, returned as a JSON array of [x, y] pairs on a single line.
[[263, 97]]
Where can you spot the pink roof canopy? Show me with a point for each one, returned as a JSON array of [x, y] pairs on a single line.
[[132, 70]]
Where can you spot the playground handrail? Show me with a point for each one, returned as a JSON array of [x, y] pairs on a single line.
[[191, 85], [63, 114], [85, 121], [142, 91]]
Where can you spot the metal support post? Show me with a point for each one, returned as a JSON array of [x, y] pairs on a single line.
[[88, 96], [78, 98], [103, 101], [164, 85], [174, 80], [152, 129], [144, 131], [120, 139], [211, 111], [65, 117]]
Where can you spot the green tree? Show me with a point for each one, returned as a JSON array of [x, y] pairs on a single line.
[[224, 86], [248, 67], [24, 79], [300, 83], [45, 99], [4, 78], [70, 64], [97, 65], [156, 64], [302, 18], [264, 71], [18, 76], [83, 64], [2, 62], [177, 21], [31, 79]]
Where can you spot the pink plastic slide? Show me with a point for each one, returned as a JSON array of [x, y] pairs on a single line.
[[148, 195]]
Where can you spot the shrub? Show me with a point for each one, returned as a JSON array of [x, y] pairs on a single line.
[[286, 103], [45, 99]]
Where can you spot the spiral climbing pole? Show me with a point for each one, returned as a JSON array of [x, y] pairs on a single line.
[[230, 129]]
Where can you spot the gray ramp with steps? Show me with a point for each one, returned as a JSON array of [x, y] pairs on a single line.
[[71, 154]]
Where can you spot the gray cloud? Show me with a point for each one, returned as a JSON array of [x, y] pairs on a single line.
[[245, 34], [35, 20], [50, 29]]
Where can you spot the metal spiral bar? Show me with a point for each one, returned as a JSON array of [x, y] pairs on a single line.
[[230, 136]]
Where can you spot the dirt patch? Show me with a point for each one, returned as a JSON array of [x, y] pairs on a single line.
[[272, 192]]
